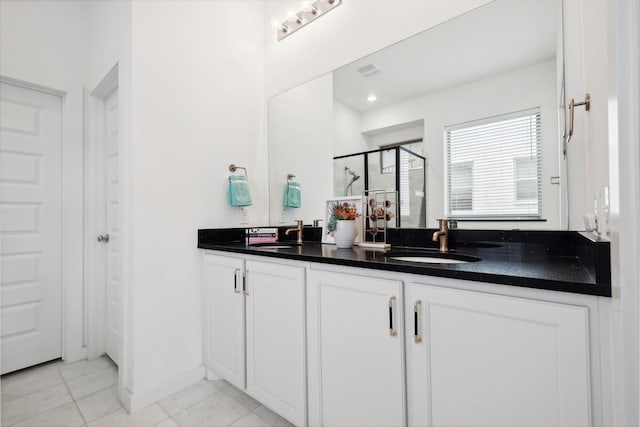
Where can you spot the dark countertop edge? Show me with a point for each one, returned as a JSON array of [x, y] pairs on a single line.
[[594, 289]]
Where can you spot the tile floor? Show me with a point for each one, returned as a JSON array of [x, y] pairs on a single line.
[[84, 394]]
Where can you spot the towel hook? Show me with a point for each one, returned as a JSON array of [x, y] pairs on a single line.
[[233, 168], [290, 176]]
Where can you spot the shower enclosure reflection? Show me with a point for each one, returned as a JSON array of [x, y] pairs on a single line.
[[393, 169]]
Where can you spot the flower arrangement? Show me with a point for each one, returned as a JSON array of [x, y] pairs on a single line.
[[341, 211]]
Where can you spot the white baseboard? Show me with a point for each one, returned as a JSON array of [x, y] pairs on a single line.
[[75, 354], [212, 375], [134, 402]]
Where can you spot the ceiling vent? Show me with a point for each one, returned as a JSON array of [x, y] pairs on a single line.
[[368, 70]]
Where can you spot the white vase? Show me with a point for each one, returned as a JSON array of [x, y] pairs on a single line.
[[345, 233]]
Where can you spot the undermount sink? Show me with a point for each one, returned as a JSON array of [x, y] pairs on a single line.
[[429, 260], [431, 257], [274, 245]]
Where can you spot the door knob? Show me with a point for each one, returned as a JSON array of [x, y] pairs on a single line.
[[103, 238]]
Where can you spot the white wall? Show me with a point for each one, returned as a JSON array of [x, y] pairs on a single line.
[[300, 127], [348, 138], [109, 39], [44, 42], [520, 89], [587, 71], [354, 29], [624, 107], [624, 172], [197, 107]]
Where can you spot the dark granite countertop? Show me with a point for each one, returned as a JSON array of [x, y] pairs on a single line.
[[507, 261]]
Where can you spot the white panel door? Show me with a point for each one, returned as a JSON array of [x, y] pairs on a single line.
[[491, 360], [113, 279], [30, 226], [275, 304], [355, 350]]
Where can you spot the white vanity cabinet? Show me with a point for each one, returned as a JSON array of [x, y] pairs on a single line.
[[355, 350], [224, 317], [476, 359], [276, 369], [261, 304], [329, 345]]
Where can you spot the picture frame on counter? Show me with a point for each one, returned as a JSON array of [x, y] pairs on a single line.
[[357, 201]]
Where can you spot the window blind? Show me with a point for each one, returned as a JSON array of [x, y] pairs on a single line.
[[494, 167]]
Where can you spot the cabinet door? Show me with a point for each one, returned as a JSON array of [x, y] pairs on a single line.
[[276, 338], [224, 350], [355, 351], [481, 360]]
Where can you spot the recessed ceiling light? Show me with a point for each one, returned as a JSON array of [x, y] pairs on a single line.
[[372, 98]]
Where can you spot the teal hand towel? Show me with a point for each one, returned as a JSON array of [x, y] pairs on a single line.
[[239, 191], [292, 196]]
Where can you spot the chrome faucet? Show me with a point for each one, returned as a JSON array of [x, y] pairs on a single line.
[[298, 229], [442, 235]]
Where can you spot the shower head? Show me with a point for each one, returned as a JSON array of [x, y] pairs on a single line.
[[354, 175], [354, 178]]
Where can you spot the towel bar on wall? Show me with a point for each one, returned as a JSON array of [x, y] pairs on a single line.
[[572, 106], [233, 168]]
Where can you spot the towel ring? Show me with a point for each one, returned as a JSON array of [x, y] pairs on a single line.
[[233, 168]]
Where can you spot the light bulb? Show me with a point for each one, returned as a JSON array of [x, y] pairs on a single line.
[[372, 98]]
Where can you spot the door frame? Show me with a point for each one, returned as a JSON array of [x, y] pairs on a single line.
[[72, 245]]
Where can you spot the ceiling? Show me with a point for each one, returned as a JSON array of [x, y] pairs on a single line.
[[497, 37]]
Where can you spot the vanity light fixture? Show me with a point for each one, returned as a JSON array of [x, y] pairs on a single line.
[[279, 26], [308, 14]]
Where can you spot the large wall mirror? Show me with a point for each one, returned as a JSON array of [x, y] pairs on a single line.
[[478, 100]]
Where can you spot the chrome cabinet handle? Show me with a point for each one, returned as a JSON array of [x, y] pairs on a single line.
[[416, 310], [103, 238], [235, 281], [392, 303]]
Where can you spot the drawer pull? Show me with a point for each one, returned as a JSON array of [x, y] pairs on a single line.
[[416, 310], [392, 303]]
